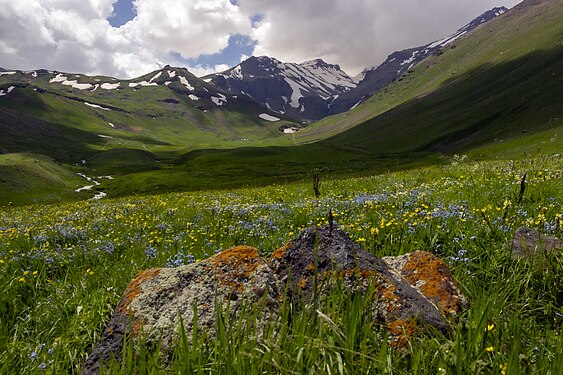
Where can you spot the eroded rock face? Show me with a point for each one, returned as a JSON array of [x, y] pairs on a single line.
[[529, 243], [408, 292]]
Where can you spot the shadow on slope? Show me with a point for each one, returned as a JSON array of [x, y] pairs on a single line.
[[486, 105]]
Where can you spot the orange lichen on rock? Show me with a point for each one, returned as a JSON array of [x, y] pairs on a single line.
[[433, 278], [386, 293], [355, 272], [279, 253], [401, 330], [235, 265], [302, 282], [134, 288]]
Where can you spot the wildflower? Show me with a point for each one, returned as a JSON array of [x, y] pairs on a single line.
[[21, 279], [490, 327], [89, 272], [25, 273], [43, 366], [490, 349], [32, 356], [503, 368]]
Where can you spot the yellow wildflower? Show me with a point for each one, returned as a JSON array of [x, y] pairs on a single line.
[[490, 349], [490, 327]]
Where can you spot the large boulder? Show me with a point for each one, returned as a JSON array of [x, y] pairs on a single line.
[[157, 300], [408, 293]]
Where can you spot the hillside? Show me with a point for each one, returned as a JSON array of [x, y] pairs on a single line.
[[165, 110], [530, 27]]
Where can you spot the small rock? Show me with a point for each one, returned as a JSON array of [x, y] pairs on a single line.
[[529, 243]]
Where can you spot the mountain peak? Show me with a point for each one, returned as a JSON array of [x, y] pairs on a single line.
[[320, 63]]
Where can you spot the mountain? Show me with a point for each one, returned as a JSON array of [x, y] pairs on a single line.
[[400, 63], [497, 94], [315, 89], [302, 91], [73, 117]]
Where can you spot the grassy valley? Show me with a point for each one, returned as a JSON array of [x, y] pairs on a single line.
[[65, 266], [101, 179]]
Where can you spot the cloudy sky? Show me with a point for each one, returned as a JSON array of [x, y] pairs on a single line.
[[128, 38]]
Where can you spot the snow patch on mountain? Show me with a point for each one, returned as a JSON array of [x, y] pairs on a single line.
[[97, 106], [295, 93], [142, 83], [219, 100], [76, 85], [7, 73], [10, 89], [110, 86], [156, 76], [58, 78], [237, 72], [267, 117], [193, 97], [185, 82]]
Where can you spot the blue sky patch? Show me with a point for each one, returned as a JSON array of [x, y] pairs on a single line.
[[238, 45], [123, 12]]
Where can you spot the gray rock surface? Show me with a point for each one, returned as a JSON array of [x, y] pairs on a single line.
[[529, 243]]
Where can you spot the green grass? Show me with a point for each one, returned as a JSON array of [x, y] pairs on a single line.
[[27, 178], [64, 267]]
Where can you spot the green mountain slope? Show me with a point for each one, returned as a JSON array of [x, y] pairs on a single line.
[[531, 27], [164, 111]]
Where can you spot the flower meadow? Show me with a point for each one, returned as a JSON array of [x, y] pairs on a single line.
[[63, 268]]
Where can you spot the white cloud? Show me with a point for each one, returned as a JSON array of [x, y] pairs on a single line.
[[200, 71], [191, 28], [75, 36], [358, 33]]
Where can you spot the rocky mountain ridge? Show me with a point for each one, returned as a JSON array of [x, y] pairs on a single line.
[[307, 91], [299, 90]]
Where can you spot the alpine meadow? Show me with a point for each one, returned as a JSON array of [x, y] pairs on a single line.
[[289, 218]]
